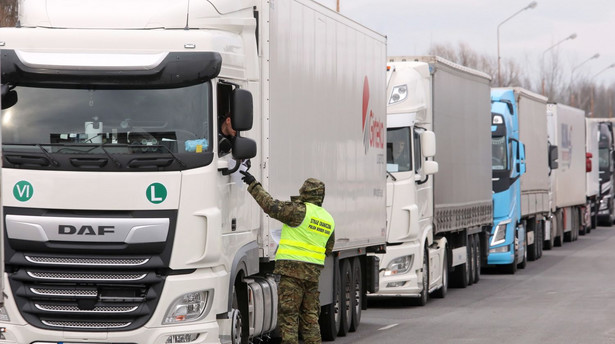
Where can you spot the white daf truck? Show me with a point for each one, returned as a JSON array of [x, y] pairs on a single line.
[[439, 201], [566, 130], [125, 224]]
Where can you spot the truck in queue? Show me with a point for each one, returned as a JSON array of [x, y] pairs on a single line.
[[520, 167], [592, 168], [437, 225], [606, 165], [568, 184], [125, 223]]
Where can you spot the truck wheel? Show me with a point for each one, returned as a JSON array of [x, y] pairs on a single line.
[[347, 298], [441, 293], [477, 260], [422, 299], [239, 328], [523, 263], [539, 238], [512, 267], [532, 253], [357, 282], [471, 261], [331, 315]]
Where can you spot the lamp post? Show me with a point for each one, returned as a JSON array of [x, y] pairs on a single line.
[[572, 36], [591, 102], [530, 6], [595, 56], [338, 6]]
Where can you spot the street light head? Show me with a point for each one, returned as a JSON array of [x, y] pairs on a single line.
[[573, 36], [596, 56], [532, 5]]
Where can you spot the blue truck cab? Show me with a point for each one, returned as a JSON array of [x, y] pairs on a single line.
[[507, 242]]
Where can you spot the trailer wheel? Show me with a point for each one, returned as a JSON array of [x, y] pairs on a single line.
[[357, 282], [539, 237], [471, 263], [347, 298], [559, 238], [532, 227], [331, 314], [441, 293]]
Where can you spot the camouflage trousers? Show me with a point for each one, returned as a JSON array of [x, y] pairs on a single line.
[[298, 311]]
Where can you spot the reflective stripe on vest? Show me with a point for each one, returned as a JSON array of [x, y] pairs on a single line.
[[307, 242]]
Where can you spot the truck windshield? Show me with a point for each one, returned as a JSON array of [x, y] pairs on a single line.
[[604, 163], [498, 153], [111, 122], [399, 150]]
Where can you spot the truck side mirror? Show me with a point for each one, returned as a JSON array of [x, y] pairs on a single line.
[[428, 144], [243, 148], [241, 109], [553, 155], [430, 167], [521, 166]]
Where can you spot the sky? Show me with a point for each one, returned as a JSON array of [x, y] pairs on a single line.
[[412, 26]]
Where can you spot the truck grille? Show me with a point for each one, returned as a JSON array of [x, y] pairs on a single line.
[[87, 286]]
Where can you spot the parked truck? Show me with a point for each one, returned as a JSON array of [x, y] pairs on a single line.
[[568, 130], [124, 222], [592, 183], [437, 221], [520, 167], [606, 165]]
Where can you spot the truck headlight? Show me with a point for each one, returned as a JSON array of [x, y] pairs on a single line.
[[187, 308], [398, 94], [399, 266], [499, 235]]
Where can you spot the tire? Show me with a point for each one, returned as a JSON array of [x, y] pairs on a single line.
[[523, 262], [540, 227], [424, 295], [441, 293], [559, 238], [330, 315], [240, 330], [477, 260], [532, 253], [347, 297], [357, 282], [512, 267], [471, 262]]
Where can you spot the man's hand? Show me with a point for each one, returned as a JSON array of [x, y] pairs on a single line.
[[247, 177]]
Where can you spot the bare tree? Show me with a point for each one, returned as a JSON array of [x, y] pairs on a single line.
[[8, 12]]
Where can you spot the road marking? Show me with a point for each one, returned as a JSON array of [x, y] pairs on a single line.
[[387, 327]]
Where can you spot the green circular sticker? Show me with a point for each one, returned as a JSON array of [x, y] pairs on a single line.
[[156, 193], [23, 191]]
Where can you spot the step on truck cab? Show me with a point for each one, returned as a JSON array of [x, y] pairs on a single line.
[[126, 221]]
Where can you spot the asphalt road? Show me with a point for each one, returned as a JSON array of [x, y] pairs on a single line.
[[566, 297]]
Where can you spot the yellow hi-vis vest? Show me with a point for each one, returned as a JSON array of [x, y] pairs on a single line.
[[307, 242]]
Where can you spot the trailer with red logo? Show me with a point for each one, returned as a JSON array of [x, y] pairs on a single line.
[[126, 222]]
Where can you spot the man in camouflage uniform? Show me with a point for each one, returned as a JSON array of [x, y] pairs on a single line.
[[299, 305]]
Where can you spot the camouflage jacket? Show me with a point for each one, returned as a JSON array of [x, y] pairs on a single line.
[[292, 214]]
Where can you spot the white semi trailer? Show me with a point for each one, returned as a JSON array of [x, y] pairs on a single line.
[[439, 202], [124, 223]]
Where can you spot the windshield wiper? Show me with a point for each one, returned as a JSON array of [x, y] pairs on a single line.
[[181, 163], [115, 161], [54, 162]]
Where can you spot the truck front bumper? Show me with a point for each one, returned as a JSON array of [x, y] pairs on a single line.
[[400, 284], [18, 331]]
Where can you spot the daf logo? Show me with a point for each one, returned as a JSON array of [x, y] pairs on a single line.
[[85, 230]]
